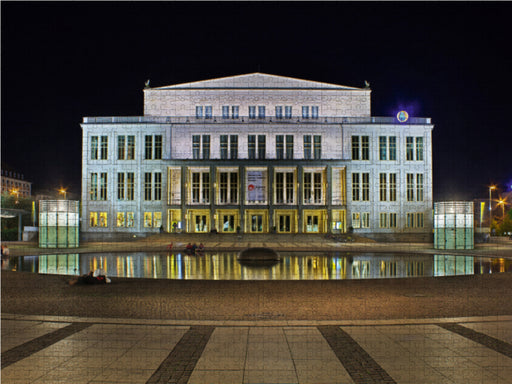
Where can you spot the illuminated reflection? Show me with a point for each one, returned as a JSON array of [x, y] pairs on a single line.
[[292, 266]]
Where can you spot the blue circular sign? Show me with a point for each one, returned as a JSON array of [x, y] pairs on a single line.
[[402, 116]]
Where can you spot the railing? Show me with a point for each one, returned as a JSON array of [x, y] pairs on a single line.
[[246, 119]]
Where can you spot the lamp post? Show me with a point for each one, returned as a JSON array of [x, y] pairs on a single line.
[[17, 193], [490, 208], [62, 191], [502, 203]]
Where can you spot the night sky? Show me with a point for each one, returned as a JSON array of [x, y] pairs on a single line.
[[448, 61]]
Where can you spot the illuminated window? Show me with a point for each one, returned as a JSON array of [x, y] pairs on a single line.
[[419, 148], [355, 187], [228, 223], [94, 186], [355, 147], [130, 219], [305, 112], [200, 189], [256, 223], [365, 220], [356, 220], [121, 150], [284, 188], [419, 187], [94, 147], [148, 219], [313, 187], [120, 186], [228, 187], [104, 147], [410, 187], [383, 186], [121, 219], [409, 149], [103, 186], [130, 185], [93, 219], [157, 219], [392, 187], [103, 219], [199, 112]]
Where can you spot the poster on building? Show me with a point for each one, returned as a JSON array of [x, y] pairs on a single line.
[[174, 186], [256, 186]]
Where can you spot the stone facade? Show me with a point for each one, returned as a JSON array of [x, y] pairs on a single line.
[[257, 153]]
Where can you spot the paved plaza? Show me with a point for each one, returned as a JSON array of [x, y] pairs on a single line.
[[424, 330], [52, 349]]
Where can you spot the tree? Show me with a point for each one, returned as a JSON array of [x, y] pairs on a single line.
[[10, 225]]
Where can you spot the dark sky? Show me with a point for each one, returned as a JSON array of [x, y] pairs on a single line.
[[449, 61]]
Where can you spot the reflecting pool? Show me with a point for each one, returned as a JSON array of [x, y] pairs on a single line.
[[292, 266]]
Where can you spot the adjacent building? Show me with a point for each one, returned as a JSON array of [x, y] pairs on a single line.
[[257, 153], [14, 183]]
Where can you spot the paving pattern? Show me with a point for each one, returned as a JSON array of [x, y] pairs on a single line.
[[95, 350]]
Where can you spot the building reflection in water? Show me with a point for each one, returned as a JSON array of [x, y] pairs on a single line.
[[293, 266]]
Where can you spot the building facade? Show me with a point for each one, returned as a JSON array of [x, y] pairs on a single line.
[[14, 183], [257, 153]]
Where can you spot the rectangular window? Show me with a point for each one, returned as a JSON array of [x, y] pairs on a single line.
[[208, 112], [383, 153], [148, 147], [392, 147], [383, 187], [307, 188], [206, 147], [392, 220], [365, 148], [356, 220], [121, 147], [234, 111], [228, 188], [103, 186], [104, 147], [148, 219], [284, 188], [157, 193], [314, 112], [130, 153], [251, 146], [305, 112], [158, 147], [307, 147], [196, 145], [157, 219], [121, 219], [355, 187], [365, 187], [261, 112], [201, 187], [410, 220], [313, 190], [279, 112], [93, 219], [233, 147], [365, 220], [252, 112], [199, 112], [419, 187], [317, 151], [223, 147], [392, 187], [410, 187], [262, 148], [419, 148], [419, 220], [130, 219], [279, 147], [355, 147], [130, 186], [94, 147], [94, 186], [383, 220], [103, 219], [415, 220], [225, 111], [120, 186], [289, 147], [288, 111], [147, 186], [409, 152]]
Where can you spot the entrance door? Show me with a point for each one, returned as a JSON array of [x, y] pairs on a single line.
[[312, 223], [228, 223], [285, 224], [256, 223], [201, 225]]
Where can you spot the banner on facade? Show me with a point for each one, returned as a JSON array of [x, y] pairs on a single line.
[[256, 186]]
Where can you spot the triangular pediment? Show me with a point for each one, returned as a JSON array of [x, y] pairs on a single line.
[[256, 81]]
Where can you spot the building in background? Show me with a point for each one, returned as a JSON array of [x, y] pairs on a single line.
[[257, 153], [14, 183]]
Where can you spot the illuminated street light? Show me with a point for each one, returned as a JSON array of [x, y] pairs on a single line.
[[17, 193], [502, 203], [62, 191], [490, 207]]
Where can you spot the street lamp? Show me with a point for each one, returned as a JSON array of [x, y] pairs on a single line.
[[502, 203], [17, 193], [490, 207], [62, 191]]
